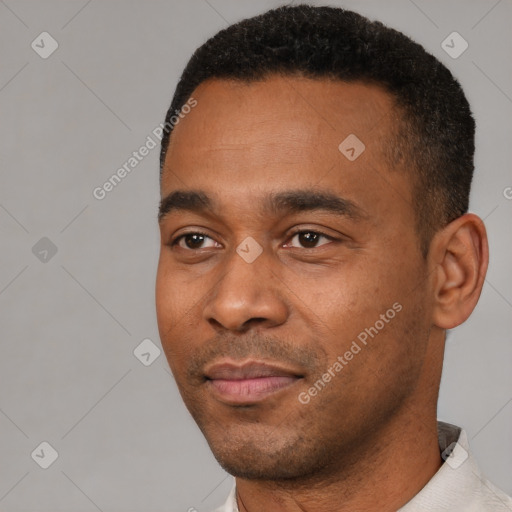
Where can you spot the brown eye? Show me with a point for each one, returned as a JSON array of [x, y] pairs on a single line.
[[309, 239], [193, 241]]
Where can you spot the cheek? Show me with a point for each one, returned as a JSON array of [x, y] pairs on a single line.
[[164, 297], [342, 298], [174, 309], [176, 290], [359, 301]]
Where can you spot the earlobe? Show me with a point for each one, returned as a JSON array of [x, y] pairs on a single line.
[[460, 256]]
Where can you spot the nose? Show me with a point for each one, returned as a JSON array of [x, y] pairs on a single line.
[[246, 294]]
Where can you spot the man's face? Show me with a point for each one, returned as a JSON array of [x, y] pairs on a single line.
[[302, 257]]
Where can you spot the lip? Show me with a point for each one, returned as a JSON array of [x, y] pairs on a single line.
[[249, 382]]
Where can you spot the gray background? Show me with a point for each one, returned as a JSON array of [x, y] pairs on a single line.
[[69, 325]]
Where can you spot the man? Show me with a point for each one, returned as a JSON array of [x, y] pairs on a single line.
[[316, 246]]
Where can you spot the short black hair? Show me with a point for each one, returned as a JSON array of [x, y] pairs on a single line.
[[436, 130]]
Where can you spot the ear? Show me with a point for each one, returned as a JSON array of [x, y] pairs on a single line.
[[459, 255]]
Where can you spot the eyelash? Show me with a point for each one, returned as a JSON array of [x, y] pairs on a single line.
[[176, 240]]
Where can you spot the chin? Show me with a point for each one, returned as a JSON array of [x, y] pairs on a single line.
[[263, 457], [257, 467]]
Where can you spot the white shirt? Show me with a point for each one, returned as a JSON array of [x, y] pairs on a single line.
[[458, 485]]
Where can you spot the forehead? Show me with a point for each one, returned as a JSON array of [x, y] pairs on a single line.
[[277, 121]]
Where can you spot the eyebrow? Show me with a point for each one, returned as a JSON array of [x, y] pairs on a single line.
[[184, 200], [279, 203]]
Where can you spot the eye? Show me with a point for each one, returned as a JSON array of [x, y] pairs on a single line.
[[191, 241], [309, 239]]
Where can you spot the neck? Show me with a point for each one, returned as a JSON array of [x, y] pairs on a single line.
[[381, 476]]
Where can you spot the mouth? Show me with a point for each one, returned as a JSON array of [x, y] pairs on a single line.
[[249, 382]]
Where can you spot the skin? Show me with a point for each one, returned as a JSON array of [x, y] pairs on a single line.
[[367, 440]]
